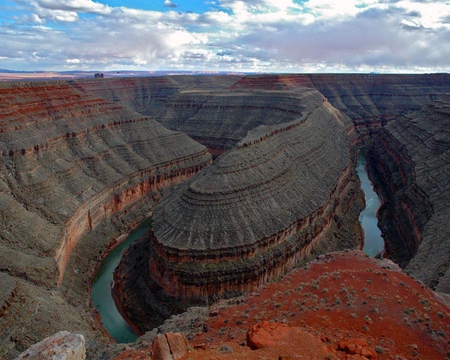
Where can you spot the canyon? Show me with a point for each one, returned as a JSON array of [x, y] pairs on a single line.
[[84, 161]]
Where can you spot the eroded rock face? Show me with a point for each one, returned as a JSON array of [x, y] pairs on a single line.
[[73, 166], [69, 161], [371, 101], [169, 346], [412, 165], [283, 193]]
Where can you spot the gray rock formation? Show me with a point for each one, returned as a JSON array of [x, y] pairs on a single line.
[[419, 185], [285, 192], [63, 345]]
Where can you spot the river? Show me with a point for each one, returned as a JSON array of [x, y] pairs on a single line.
[[101, 288], [373, 241], [102, 299]]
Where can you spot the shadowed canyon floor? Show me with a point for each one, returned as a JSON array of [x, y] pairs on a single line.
[[84, 161]]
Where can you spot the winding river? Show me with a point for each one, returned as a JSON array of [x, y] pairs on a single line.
[[101, 296], [101, 289], [373, 241]]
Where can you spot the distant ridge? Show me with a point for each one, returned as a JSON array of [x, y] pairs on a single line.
[[20, 75]]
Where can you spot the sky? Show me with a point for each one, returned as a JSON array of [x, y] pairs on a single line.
[[307, 36]]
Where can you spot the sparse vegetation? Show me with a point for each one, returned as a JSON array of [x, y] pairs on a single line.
[[225, 348]]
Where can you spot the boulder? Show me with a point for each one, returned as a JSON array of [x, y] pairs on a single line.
[[266, 334], [61, 346], [358, 347], [170, 346]]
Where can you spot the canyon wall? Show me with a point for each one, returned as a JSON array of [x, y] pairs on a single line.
[[384, 112], [147, 95], [285, 192], [412, 165], [70, 161], [371, 101]]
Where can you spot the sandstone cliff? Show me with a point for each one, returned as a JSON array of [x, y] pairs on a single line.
[[283, 193], [69, 161]]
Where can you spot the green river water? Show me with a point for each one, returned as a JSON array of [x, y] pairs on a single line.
[[101, 296]]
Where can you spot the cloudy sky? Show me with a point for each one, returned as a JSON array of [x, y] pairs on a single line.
[[251, 35]]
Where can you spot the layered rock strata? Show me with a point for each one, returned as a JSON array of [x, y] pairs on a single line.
[[411, 160], [69, 161], [196, 104], [147, 95], [285, 192], [220, 119]]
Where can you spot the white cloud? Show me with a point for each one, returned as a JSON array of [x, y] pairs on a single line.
[[270, 35], [85, 6], [168, 3]]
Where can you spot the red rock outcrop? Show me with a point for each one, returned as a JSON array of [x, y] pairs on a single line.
[[285, 192], [266, 334], [358, 347], [340, 306], [345, 299], [169, 346]]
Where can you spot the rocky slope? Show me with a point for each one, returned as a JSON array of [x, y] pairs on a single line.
[[283, 193], [147, 95], [69, 162], [340, 306], [220, 119]]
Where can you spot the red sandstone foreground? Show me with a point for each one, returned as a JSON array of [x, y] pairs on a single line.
[[332, 309]]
